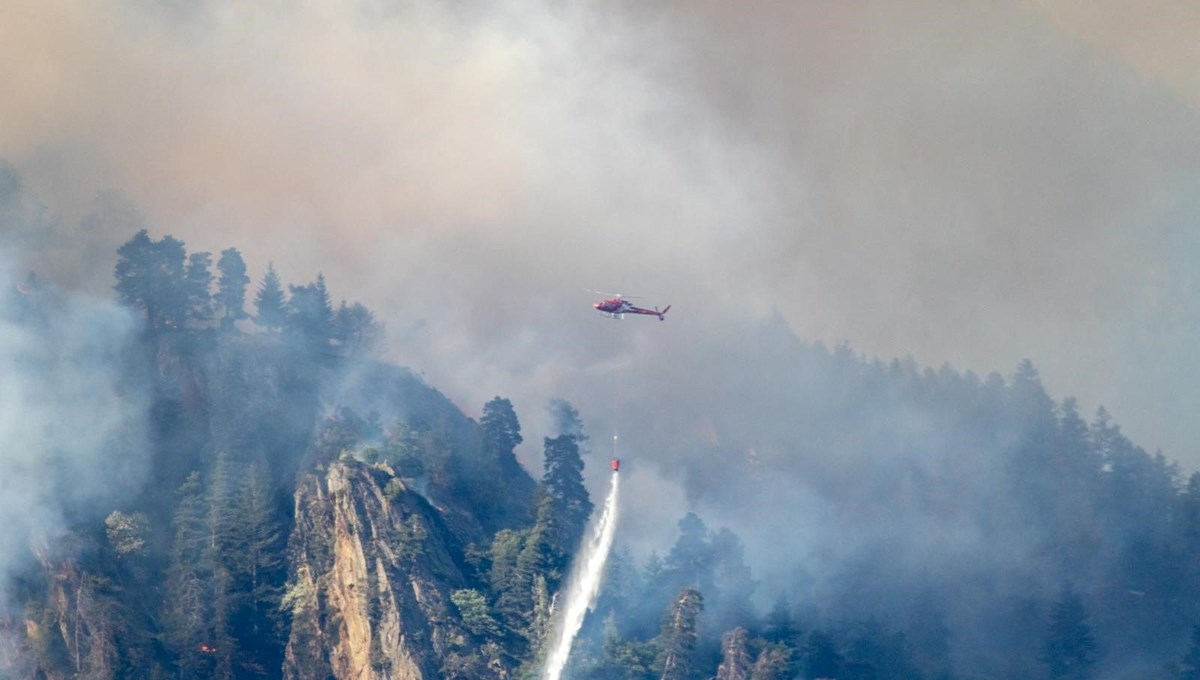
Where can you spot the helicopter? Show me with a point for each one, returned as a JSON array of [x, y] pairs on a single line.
[[616, 307]]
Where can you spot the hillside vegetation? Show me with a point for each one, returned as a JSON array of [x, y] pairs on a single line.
[[310, 511]]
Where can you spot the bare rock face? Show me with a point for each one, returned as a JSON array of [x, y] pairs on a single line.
[[72, 631], [370, 580]]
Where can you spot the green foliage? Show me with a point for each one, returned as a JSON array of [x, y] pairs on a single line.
[[499, 489], [562, 484], [394, 490], [623, 659], [676, 644], [1070, 650], [186, 614], [298, 598], [779, 626], [355, 329], [403, 451], [526, 568], [459, 666], [539, 625], [774, 662], [151, 277], [821, 656], [225, 575], [690, 560], [413, 534], [1082, 497], [512, 580], [876, 652], [256, 557], [543, 547], [310, 315], [502, 430], [198, 281], [473, 609], [270, 302], [339, 435], [735, 655], [733, 584], [231, 288], [127, 532]]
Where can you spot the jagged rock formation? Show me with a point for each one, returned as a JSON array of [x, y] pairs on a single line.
[[75, 628], [372, 570]]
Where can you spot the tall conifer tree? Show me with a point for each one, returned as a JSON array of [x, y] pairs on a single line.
[[231, 287], [677, 641], [270, 303], [1070, 651], [198, 287]]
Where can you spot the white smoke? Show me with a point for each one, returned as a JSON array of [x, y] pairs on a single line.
[[72, 430]]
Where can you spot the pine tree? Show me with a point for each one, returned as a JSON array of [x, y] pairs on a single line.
[[272, 310], [510, 587], [735, 659], [1188, 520], [620, 659], [151, 277], [821, 657], [876, 652], [355, 329], [231, 288], [677, 642], [774, 662], [1070, 650], [621, 588], [732, 582], [1032, 420], [198, 287], [1029, 402], [690, 560], [510, 502], [223, 528], [473, 610], [502, 430], [259, 567], [186, 615], [562, 483], [542, 554], [310, 315], [1072, 443], [538, 558], [779, 627]]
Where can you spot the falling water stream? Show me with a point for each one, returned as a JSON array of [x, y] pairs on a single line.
[[584, 584]]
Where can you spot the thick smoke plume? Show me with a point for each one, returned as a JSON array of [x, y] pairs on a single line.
[[72, 431], [972, 184]]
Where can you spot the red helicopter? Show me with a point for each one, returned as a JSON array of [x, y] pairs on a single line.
[[616, 307]]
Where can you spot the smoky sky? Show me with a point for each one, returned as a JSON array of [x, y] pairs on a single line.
[[972, 184]]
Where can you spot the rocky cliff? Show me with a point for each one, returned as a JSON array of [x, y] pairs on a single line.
[[371, 572]]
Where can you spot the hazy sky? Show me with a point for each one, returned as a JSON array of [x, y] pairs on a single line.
[[972, 183]]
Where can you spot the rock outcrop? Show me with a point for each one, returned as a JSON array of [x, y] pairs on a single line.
[[371, 573]]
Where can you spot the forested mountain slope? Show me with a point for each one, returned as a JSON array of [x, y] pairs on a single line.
[[307, 511]]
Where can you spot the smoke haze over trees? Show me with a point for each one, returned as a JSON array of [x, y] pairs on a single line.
[[892, 522], [999, 194]]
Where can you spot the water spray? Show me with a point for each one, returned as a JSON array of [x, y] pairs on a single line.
[[584, 584]]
